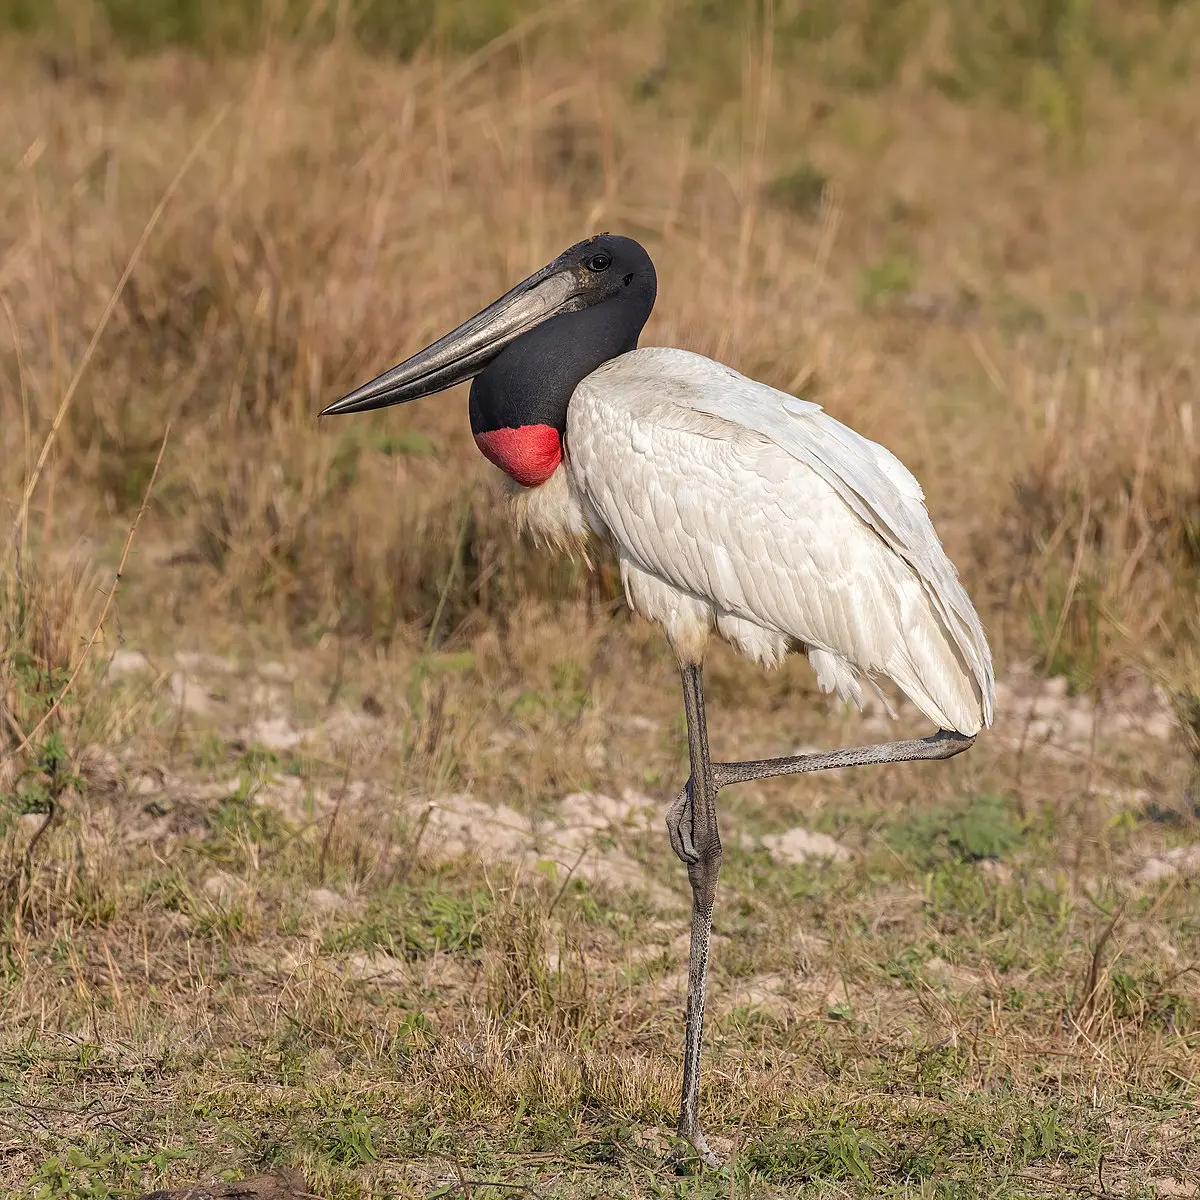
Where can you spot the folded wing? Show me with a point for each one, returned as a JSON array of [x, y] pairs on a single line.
[[779, 515]]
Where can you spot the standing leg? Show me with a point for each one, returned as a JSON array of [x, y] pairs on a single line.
[[692, 822]]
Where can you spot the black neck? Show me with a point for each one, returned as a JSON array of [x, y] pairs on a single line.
[[531, 381]]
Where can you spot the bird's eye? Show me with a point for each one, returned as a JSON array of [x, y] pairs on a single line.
[[599, 262]]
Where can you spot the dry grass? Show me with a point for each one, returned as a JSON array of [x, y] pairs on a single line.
[[1012, 316]]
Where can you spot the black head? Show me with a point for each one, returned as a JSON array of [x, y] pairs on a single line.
[[603, 271], [606, 275], [519, 401], [528, 350]]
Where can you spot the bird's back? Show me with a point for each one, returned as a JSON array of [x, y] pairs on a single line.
[[766, 507]]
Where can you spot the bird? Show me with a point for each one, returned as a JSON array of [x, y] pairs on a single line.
[[735, 511]]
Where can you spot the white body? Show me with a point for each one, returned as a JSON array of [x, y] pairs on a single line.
[[736, 507]]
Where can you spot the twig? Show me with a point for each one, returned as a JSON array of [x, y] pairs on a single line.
[[339, 675], [20, 533], [447, 583], [16, 881], [405, 868], [1085, 1188], [561, 890], [1072, 583], [464, 1184], [1174, 975], [62, 695], [12, 724], [508, 1187], [1091, 984], [462, 1179], [22, 877], [51, 813]]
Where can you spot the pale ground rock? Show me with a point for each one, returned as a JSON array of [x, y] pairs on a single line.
[[128, 662], [801, 845]]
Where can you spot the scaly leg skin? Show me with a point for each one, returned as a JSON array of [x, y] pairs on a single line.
[[943, 744], [692, 825]]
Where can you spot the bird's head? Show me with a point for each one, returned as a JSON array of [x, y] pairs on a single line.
[[528, 351]]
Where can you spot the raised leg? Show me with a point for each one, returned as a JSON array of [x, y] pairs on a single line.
[[943, 744], [692, 825]]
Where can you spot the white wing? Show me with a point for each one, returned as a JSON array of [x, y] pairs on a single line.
[[766, 506]]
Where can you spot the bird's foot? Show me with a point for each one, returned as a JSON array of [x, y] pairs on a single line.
[[697, 1146], [679, 827]]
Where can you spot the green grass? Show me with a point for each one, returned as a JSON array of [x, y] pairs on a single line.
[[799, 189], [983, 827], [533, 1038], [895, 275]]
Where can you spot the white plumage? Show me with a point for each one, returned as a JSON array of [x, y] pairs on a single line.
[[736, 507]]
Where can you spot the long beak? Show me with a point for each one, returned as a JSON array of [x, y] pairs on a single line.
[[462, 354]]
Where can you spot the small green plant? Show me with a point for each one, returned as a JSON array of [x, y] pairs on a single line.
[[839, 1152], [1148, 998], [43, 615], [415, 923], [348, 1139], [983, 827], [39, 788], [76, 1173], [41, 784]]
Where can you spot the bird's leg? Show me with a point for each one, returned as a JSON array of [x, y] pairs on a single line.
[[943, 744], [692, 822]]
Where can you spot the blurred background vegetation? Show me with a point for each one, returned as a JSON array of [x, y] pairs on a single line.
[[1031, 54], [962, 224]]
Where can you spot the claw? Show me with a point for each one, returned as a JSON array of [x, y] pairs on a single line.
[[679, 826], [698, 1146]]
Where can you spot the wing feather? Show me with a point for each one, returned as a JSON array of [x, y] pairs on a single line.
[[776, 512]]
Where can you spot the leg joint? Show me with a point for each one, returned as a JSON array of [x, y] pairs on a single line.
[[707, 864]]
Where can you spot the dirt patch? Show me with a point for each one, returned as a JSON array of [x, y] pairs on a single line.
[[801, 845]]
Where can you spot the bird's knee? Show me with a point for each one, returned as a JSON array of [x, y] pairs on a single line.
[[707, 864]]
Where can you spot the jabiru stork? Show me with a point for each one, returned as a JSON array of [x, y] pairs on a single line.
[[733, 509]]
